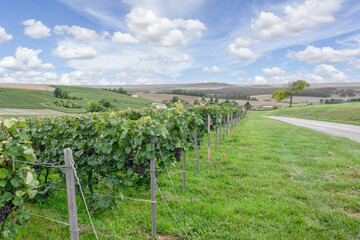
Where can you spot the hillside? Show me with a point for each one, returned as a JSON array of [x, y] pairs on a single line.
[[39, 99], [342, 113]]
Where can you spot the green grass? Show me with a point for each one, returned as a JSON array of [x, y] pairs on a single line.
[[37, 99], [342, 113], [280, 182]]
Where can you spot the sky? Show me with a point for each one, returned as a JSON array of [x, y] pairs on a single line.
[[118, 42]]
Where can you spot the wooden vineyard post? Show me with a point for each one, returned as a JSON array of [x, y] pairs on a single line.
[[184, 171], [153, 193], [70, 189], [220, 131], [208, 137], [196, 151], [228, 123], [216, 130], [224, 128], [232, 120]]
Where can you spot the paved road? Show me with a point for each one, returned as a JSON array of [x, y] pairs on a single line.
[[337, 129]]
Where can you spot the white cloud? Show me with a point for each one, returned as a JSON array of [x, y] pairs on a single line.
[[36, 29], [79, 33], [275, 71], [243, 53], [82, 52], [25, 59], [212, 70], [260, 80], [355, 63], [149, 28], [325, 55], [146, 81], [322, 73], [296, 19], [353, 41], [169, 7], [4, 36], [175, 59], [243, 42], [330, 73], [277, 75], [107, 82], [119, 37]]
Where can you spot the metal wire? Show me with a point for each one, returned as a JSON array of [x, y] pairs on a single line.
[[82, 194], [51, 165], [33, 214], [162, 196], [172, 183]]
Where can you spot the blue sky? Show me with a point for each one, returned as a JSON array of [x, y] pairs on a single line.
[[170, 41]]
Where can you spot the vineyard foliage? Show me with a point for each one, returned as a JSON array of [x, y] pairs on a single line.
[[111, 151]]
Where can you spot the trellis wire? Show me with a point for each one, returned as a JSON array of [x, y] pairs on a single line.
[[36, 215], [82, 194], [173, 186], [167, 205], [50, 165]]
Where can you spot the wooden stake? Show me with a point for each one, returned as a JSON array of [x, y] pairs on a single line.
[[70, 189], [196, 151], [208, 137], [220, 132], [184, 171], [153, 193], [216, 130]]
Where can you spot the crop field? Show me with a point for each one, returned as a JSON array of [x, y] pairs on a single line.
[[167, 97], [27, 86]]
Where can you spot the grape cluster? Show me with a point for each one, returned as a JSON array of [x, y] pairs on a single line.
[[4, 212], [137, 168], [178, 154]]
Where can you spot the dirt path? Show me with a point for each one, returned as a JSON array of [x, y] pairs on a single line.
[[337, 129], [27, 86], [18, 111]]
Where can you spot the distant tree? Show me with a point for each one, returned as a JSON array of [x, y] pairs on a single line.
[[216, 99], [247, 106], [295, 87], [279, 95], [196, 102], [227, 101], [321, 101], [234, 103], [211, 99], [175, 99], [292, 88], [203, 99], [95, 107], [106, 103], [59, 93]]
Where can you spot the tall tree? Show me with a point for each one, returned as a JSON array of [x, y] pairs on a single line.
[[292, 88], [295, 87]]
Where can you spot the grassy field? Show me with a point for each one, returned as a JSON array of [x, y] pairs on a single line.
[[280, 182], [37, 99], [342, 113]]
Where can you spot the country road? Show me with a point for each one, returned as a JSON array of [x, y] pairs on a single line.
[[337, 129]]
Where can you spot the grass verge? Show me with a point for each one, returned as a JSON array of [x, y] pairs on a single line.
[[280, 182], [341, 113]]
